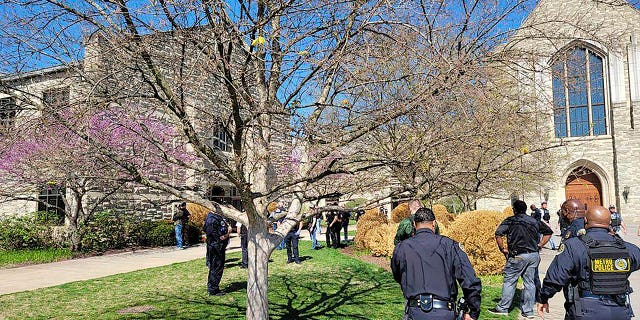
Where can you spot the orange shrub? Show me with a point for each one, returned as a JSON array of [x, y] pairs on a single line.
[[271, 207], [197, 213], [443, 216], [507, 212], [380, 240], [400, 212], [475, 230], [372, 219]]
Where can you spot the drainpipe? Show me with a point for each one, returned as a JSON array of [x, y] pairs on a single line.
[[613, 141]]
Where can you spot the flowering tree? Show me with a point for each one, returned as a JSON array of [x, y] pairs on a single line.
[[45, 152]]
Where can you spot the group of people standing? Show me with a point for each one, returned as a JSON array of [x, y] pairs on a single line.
[[592, 266]]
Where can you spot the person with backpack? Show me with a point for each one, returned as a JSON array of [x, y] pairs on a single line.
[[180, 219], [217, 232]]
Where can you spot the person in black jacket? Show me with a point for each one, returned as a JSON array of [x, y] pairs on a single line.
[[429, 268], [217, 231]]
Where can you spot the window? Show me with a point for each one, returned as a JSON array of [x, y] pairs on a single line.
[[221, 139], [578, 94], [8, 111], [58, 97], [51, 199]]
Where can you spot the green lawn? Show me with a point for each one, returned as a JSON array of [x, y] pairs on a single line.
[[328, 285], [17, 257]]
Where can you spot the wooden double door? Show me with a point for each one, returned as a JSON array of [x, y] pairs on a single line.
[[584, 186]]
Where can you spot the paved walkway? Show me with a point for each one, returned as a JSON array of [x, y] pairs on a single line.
[[51, 274]]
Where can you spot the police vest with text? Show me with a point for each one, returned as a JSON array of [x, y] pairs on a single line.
[[609, 267]]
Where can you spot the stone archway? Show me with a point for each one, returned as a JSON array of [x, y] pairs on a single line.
[[584, 185]]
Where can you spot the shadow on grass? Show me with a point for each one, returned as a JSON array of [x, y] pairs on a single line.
[[339, 296]]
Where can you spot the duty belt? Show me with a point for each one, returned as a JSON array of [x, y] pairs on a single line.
[[437, 304]]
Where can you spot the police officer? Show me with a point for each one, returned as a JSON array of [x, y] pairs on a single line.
[[427, 267], [616, 220], [596, 266], [573, 211], [217, 231], [329, 217]]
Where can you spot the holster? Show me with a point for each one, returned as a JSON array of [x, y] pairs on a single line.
[[425, 302]]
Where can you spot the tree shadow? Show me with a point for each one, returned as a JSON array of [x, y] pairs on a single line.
[[329, 297]]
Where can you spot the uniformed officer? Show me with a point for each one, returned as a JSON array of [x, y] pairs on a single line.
[[427, 267], [217, 231], [329, 217], [573, 211], [596, 266]]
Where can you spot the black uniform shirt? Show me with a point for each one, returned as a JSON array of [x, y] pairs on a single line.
[[571, 265], [573, 229], [220, 228], [430, 264], [522, 233]]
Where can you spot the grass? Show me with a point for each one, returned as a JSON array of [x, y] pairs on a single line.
[[327, 285], [32, 256]]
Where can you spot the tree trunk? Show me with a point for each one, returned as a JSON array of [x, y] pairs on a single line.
[[260, 246], [75, 237]]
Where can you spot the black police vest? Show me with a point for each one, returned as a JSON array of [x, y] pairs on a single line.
[[615, 220], [609, 266]]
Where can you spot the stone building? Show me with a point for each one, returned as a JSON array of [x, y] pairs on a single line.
[[109, 75], [582, 59]]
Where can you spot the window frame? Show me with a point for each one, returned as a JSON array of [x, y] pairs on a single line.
[[563, 57], [8, 115]]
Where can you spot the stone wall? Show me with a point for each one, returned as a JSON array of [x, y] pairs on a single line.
[[612, 28]]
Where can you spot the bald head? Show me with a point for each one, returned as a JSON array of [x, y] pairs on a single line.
[[414, 205], [572, 209], [597, 217]]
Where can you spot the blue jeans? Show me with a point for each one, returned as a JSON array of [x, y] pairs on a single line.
[[178, 229], [314, 239], [523, 265]]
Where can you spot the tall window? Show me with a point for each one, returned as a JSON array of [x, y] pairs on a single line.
[[8, 111], [220, 139], [578, 94]]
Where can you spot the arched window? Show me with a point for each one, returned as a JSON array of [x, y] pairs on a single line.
[[578, 94]]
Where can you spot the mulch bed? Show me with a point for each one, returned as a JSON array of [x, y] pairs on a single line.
[[382, 262]]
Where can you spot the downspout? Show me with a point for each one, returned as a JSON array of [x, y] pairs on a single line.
[[613, 139]]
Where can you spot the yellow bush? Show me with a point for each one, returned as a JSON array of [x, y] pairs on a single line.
[[197, 213], [400, 212], [380, 240], [443, 216], [271, 207], [475, 230], [372, 219], [507, 212]]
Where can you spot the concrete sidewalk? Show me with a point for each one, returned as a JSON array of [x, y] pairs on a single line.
[[51, 274]]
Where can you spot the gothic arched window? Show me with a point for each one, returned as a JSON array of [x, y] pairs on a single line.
[[578, 94]]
